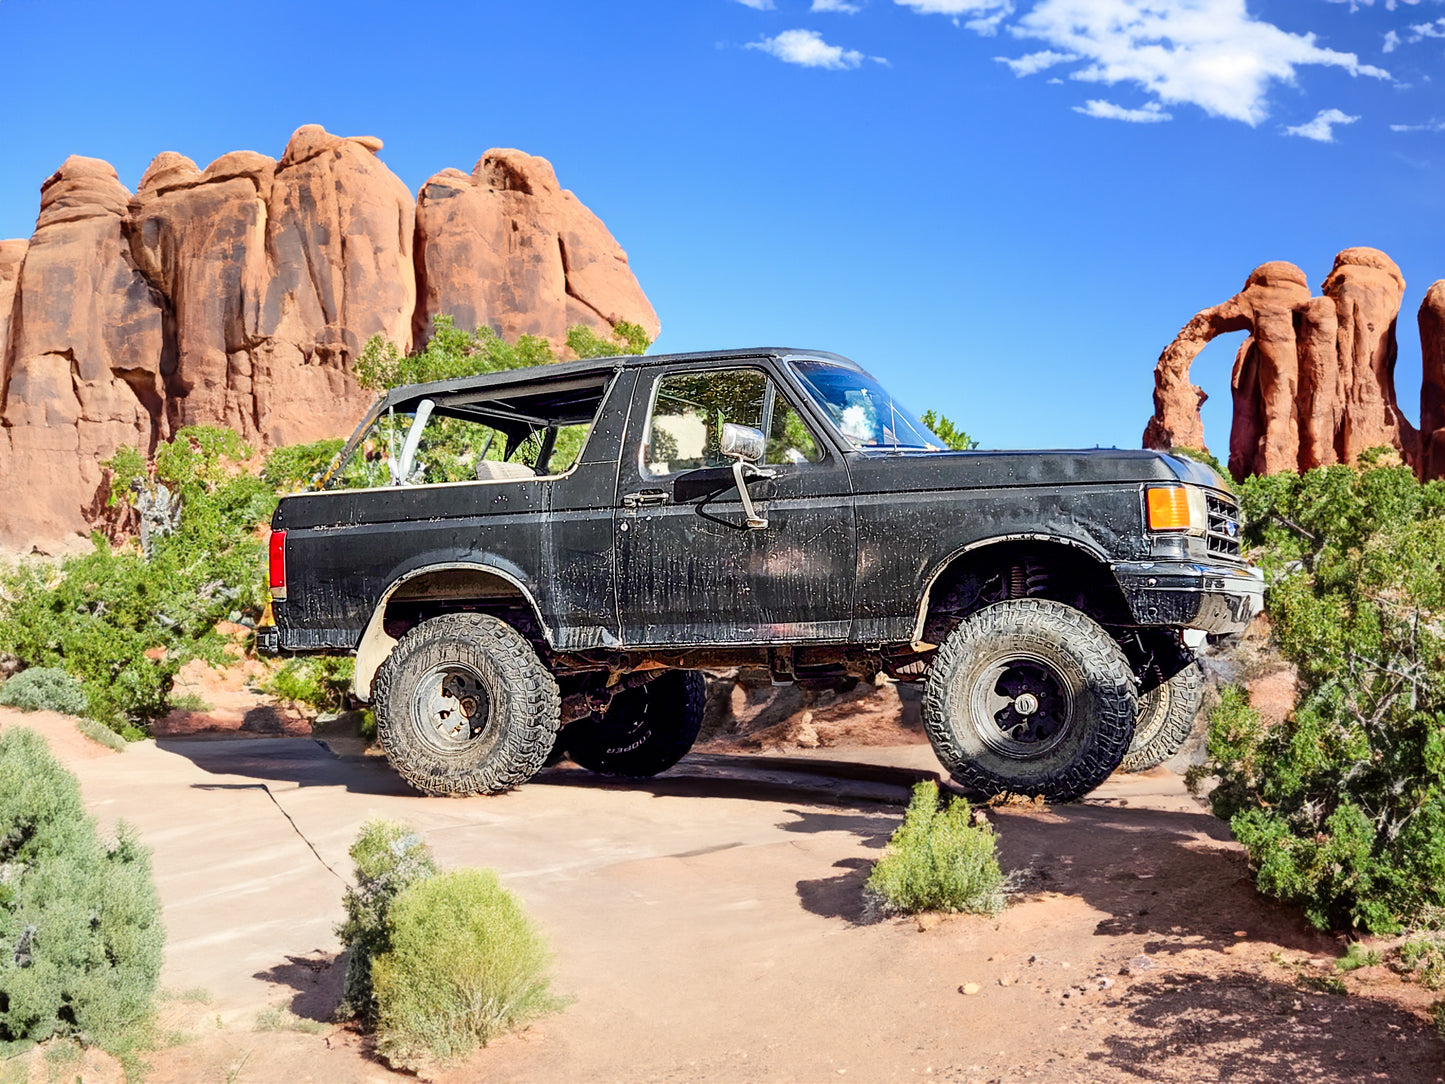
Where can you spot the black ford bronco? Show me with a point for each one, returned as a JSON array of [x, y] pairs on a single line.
[[536, 563]]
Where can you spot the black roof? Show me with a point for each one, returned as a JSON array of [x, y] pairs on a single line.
[[408, 395]]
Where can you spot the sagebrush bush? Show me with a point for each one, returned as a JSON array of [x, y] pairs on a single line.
[[44, 688], [465, 964], [101, 735], [1342, 806], [388, 857], [80, 921], [939, 860]]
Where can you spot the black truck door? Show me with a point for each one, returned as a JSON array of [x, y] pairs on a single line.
[[690, 571]]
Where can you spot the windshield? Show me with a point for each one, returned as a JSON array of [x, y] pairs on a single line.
[[862, 410]]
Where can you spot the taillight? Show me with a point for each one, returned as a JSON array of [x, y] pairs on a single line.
[[278, 564]]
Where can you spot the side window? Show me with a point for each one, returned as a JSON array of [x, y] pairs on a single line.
[[789, 440], [685, 430]]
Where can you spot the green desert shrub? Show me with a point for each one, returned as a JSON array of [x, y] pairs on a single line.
[[44, 688], [451, 352], [946, 431], [388, 858], [122, 623], [448, 354], [317, 681], [1342, 806], [465, 964], [1357, 956], [1424, 958], [626, 338], [296, 466], [939, 860], [80, 921]]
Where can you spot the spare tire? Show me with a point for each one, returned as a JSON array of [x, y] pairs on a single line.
[[1030, 697], [1166, 719], [644, 731]]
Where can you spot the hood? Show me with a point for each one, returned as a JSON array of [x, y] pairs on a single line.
[[1084, 466]]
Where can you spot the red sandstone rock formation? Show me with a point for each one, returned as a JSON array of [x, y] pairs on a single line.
[[509, 231], [1367, 289], [241, 294], [1432, 386], [277, 274], [83, 361], [1313, 384]]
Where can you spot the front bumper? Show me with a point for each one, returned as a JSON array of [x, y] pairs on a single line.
[[1187, 595]]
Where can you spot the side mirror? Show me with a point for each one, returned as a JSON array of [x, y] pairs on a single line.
[[742, 442]]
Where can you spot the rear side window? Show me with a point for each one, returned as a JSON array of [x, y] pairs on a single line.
[[684, 431], [466, 435]]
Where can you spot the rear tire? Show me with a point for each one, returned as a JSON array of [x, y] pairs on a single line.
[[465, 706], [644, 731], [1166, 719], [1029, 697]]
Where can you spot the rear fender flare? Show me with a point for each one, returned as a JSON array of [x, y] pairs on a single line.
[[376, 643]]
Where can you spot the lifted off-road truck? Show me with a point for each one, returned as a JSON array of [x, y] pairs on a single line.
[[537, 563]]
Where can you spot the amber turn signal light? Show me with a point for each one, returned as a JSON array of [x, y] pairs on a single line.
[[1168, 508]]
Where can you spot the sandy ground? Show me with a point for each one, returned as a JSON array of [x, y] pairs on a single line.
[[709, 926]]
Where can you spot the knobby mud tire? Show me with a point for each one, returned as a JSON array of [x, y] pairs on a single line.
[[1166, 719], [521, 710], [644, 731], [1082, 688]]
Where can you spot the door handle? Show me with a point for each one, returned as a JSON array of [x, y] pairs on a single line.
[[645, 496]]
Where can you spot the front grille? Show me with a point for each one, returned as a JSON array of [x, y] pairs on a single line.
[[1222, 534]]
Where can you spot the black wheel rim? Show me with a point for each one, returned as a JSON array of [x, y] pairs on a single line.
[[451, 707], [1023, 705]]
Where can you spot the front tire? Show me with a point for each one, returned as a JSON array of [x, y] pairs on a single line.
[[1166, 719], [465, 706], [1030, 697], [644, 731]]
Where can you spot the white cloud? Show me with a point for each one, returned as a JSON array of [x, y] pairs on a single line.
[[955, 7], [1209, 53], [1392, 41], [1036, 62], [759, 5], [1152, 113], [987, 14], [1390, 5], [836, 5], [808, 49], [1421, 31], [1428, 126], [1322, 128]]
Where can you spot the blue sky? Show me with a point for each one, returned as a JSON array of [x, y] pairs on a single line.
[[1004, 208]]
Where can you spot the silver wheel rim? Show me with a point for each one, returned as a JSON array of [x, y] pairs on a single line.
[[1022, 705], [451, 707]]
